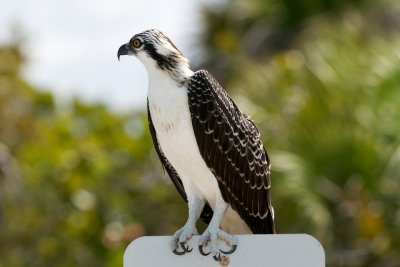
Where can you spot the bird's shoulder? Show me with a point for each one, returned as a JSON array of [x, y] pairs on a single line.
[[201, 74], [203, 79], [204, 88]]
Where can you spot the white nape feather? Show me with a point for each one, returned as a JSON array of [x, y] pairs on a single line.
[[165, 48]]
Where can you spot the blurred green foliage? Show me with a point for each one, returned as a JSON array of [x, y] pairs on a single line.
[[76, 182], [320, 78], [328, 104]]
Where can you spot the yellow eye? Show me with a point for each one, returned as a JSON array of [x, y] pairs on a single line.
[[136, 43]]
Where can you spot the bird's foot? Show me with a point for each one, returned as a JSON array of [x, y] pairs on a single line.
[[180, 238], [211, 236]]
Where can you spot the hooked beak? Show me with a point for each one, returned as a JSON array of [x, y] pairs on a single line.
[[123, 50]]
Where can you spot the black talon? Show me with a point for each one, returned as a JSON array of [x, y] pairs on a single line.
[[217, 258], [185, 249], [202, 252], [230, 251], [176, 252]]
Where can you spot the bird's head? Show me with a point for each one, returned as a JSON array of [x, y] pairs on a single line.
[[157, 53]]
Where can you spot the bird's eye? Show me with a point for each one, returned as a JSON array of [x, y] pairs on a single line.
[[136, 43]]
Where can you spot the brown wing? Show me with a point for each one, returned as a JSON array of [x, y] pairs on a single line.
[[230, 144]]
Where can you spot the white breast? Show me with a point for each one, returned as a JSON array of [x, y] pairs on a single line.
[[170, 114]]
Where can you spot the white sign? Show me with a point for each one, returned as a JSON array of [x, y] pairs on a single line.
[[283, 250]]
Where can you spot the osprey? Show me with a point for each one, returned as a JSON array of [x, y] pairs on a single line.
[[212, 151]]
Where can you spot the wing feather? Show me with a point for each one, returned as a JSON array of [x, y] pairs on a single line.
[[230, 144]]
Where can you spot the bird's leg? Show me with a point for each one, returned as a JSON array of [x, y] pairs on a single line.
[[180, 238], [213, 233]]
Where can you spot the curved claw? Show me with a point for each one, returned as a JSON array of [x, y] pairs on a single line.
[[202, 252], [179, 253], [230, 251], [185, 249], [217, 258]]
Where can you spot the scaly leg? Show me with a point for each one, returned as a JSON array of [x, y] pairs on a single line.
[[180, 238]]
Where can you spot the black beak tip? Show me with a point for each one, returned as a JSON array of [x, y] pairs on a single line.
[[123, 50]]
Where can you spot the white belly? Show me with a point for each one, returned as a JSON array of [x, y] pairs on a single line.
[[171, 118]]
